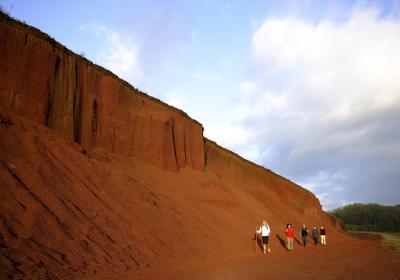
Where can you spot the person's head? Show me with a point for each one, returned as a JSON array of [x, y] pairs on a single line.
[[265, 222], [289, 226], [304, 226], [315, 227], [322, 226]]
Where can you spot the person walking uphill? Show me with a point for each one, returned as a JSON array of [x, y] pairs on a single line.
[[322, 233], [289, 237], [314, 235], [265, 231], [304, 234]]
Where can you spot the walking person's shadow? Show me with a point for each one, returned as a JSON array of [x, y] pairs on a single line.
[[281, 241], [258, 243]]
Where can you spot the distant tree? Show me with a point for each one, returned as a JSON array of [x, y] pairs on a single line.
[[370, 216]]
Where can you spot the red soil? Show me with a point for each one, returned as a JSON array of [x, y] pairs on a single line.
[[341, 259], [70, 213]]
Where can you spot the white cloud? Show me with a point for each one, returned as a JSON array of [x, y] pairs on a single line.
[[234, 138], [324, 98], [228, 134], [174, 99], [117, 54]]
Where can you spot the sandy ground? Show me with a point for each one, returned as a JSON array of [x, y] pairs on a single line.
[[352, 258], [67, 213]]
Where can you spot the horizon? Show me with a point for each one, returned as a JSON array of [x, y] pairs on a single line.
[[325, 73]]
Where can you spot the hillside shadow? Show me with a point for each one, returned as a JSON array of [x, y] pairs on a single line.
[[298, 241], [281, 241]]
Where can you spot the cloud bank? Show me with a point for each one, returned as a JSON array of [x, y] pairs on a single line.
[[322, 106]]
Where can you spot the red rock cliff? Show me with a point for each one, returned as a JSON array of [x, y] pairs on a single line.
[[269, 187], [45, 82], [82, 102]]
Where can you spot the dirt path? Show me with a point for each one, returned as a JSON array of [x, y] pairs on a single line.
[[348, 259]]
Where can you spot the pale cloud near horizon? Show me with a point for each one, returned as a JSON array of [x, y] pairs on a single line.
[[323, 100]]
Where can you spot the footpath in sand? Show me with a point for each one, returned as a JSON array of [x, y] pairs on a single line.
[[352, 258]]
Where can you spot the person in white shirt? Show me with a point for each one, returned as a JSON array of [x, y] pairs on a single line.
[[265, 231]]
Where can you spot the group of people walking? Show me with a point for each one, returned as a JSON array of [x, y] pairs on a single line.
[[314, 235], [265, 231]]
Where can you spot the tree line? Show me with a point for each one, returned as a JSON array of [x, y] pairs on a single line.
[[371, 217]]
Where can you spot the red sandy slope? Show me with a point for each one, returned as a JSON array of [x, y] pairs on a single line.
[[70, 213]]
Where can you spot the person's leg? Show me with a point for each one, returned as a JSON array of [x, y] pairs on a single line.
[[323, 239], [289, 243], [264, 241]]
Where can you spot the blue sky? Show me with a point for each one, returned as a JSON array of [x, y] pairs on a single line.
[[309, 89]]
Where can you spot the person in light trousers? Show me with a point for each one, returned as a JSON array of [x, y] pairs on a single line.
[[322, 233], [289, 237]]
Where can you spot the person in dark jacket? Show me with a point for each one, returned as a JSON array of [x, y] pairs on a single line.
[[304, 234], [314, 235]]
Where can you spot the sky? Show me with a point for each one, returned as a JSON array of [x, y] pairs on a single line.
[[308, 89]]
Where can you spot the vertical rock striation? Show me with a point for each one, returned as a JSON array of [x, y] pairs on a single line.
[[45, 82]]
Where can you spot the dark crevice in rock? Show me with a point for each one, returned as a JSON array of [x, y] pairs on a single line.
[[57, 67]]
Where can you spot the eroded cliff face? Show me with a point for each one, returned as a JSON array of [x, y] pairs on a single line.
[[273, 190], [44, 82]]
